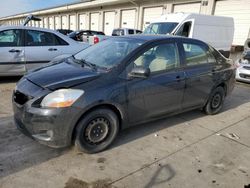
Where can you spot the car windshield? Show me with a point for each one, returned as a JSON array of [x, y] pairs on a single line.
[[72, 34], [109, 53], [160, 28]]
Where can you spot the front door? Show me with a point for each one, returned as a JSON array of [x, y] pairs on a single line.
[[12, 54], [161, 93]]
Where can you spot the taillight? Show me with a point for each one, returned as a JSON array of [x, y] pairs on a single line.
[[96, 40]]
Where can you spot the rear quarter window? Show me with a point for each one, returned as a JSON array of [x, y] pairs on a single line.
[[60, 41]]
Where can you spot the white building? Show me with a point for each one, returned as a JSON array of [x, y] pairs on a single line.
[[104, 15]]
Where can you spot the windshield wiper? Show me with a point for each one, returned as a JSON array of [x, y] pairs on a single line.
[[91, 65], [84, 62]]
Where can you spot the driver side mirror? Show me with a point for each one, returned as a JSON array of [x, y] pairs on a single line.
[[139, 72]]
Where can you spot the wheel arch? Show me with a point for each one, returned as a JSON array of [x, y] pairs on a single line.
[[224, 86], [110, 106]]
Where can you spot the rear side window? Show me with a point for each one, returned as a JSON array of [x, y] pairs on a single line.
[[10, 38], [130, 32], [138, 32], [40, 38], [195, 54]]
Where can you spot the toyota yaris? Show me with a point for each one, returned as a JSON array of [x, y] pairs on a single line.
[[88, 98]]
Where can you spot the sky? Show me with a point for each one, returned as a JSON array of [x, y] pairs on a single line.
[[11, 7]]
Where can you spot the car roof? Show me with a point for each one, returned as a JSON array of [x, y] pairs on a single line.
[[67, 39], [27, 27], [146, 37]]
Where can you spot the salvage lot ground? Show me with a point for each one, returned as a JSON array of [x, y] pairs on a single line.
[[187, 150]]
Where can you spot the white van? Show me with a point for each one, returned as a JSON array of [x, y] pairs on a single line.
[[215, 30]]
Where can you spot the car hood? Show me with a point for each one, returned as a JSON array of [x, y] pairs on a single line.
[[61, 75]]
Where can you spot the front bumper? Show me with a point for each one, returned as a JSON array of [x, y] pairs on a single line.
[[52, 127], [49, 126], [243, 74]]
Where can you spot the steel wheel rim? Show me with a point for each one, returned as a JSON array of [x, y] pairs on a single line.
[[216, 101], [97, 130]]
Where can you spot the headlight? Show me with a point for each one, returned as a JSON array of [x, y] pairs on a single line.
[[244, 61], [61, 98]]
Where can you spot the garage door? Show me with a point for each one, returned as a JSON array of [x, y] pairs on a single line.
[[35, 23], [82, 21], [57, 22], [128, 18], [51, 23], [72, 22], [41, 23], [240, 11], [94, 21], [30, 23], [109, 22], [187, 7], [65, 22], [45, 21], [151, 14]]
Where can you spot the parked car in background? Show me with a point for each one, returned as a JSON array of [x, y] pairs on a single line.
[[83, 35], [65, 31], [96, 39], [23, 48], [116, 32], [217, 31], [243, 67], [247, 43], [88, 98], [125, 31]]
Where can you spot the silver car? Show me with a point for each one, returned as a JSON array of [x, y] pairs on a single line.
[[243, 70], [23, 48]]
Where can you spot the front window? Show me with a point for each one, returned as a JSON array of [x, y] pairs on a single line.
[[184, 30], [109, 53], [118, 32], [160, 28], [159, 58], [10, 38]]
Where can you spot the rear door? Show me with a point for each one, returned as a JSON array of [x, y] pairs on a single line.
[[41, 47], [12, 52], [200, 67]]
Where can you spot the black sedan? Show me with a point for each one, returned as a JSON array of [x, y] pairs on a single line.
[[88, 98]]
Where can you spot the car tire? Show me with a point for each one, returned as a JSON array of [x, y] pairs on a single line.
[[215, 101], [96, 131]]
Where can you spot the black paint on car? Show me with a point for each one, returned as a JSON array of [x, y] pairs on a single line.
[[123, 81]]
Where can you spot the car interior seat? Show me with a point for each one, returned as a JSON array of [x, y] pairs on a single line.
[[29, 39], [165, 58]]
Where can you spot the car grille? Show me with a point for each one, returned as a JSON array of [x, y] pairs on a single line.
[[20, 98], [248, 68]]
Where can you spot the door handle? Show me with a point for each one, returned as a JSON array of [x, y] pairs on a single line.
[[52, 49], [14, 51]]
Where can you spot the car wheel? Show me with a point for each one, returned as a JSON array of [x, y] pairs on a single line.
[[96, 131], [215, 101]]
